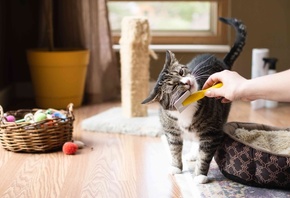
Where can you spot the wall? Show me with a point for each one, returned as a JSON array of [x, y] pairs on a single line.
[[268, 25]]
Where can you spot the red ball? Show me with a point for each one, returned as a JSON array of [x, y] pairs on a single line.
[[69, 148]]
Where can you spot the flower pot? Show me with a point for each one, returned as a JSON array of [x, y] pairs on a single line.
[[58, 77]]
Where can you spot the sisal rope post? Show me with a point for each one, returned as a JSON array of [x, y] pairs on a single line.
[[135, 60]]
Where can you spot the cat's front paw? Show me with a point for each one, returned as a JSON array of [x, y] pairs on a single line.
[[175, 170], [200, 179]]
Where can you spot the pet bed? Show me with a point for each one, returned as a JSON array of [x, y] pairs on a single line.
[[256, 155]]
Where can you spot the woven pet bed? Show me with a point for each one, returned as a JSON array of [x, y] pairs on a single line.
[[256, 155]]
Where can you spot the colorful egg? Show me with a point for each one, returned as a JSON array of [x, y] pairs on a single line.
[[10, 118], [39, 117]]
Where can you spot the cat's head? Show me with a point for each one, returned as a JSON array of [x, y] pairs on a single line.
[[173, 81]]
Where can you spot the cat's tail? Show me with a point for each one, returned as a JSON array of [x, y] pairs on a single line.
[[237, 48]]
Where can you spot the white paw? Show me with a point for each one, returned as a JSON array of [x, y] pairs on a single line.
[[200, 179], [175, 170]]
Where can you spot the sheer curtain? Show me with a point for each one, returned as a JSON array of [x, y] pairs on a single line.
[[84, 24]]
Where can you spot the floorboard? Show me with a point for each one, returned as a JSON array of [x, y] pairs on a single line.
[[110, 165]]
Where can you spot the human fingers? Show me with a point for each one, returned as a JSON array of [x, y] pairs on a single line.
[[213, 79], [214, 93], [217, 93], [224, 100]]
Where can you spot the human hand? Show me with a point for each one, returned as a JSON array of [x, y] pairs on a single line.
[[230, 90]]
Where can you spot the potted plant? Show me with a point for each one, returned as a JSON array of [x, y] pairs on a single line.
[[58, 75]]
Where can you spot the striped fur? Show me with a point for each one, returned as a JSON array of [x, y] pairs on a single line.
[[204, 118]]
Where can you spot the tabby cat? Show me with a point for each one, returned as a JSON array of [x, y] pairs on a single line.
[[204, 118]]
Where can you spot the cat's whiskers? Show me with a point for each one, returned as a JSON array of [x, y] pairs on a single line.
[[202, 76], [201, 70], [204, 61], [180, 59], [199, 74], [205, 76]]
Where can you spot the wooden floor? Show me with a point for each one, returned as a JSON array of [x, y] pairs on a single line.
[[111, 166]]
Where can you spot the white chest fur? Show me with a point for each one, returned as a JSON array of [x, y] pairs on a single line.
[[185, 118]]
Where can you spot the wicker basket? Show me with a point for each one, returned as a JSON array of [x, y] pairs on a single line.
[[43, 136]]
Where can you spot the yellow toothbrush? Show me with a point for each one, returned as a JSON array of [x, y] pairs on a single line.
[[188, 98]]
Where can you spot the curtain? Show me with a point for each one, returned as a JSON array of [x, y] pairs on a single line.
[[84, 24]]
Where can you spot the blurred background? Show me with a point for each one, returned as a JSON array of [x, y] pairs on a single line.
[[267, 21]]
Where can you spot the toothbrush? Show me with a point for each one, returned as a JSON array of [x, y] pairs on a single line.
[[188, 98]]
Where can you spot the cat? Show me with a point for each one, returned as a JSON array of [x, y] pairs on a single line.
[[204, 118]]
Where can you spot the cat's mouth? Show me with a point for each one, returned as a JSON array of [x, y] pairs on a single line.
[[189, 84]]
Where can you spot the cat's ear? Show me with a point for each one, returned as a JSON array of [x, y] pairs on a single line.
[[153, 96], [170, 58]]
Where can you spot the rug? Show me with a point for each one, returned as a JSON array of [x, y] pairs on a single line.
[[219, 186], [112, 121]]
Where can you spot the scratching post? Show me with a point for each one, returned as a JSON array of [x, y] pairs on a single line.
[[134, 54]]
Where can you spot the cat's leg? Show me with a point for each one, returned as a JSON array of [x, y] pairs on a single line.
[[201, 167], [207, 149], [175, 144], [192, 155]]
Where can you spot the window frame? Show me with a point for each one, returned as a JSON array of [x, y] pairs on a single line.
[[219, 34]]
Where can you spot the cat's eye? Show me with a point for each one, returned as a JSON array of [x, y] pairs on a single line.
[[182, 72]]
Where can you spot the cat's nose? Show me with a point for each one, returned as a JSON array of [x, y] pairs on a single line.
[[186, 81]]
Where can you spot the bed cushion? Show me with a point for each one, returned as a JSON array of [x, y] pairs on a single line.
[[256, 155]]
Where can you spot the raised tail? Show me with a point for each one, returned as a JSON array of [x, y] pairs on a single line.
[[241, 35]]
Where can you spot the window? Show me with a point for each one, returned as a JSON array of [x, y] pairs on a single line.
[[174, 22]]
